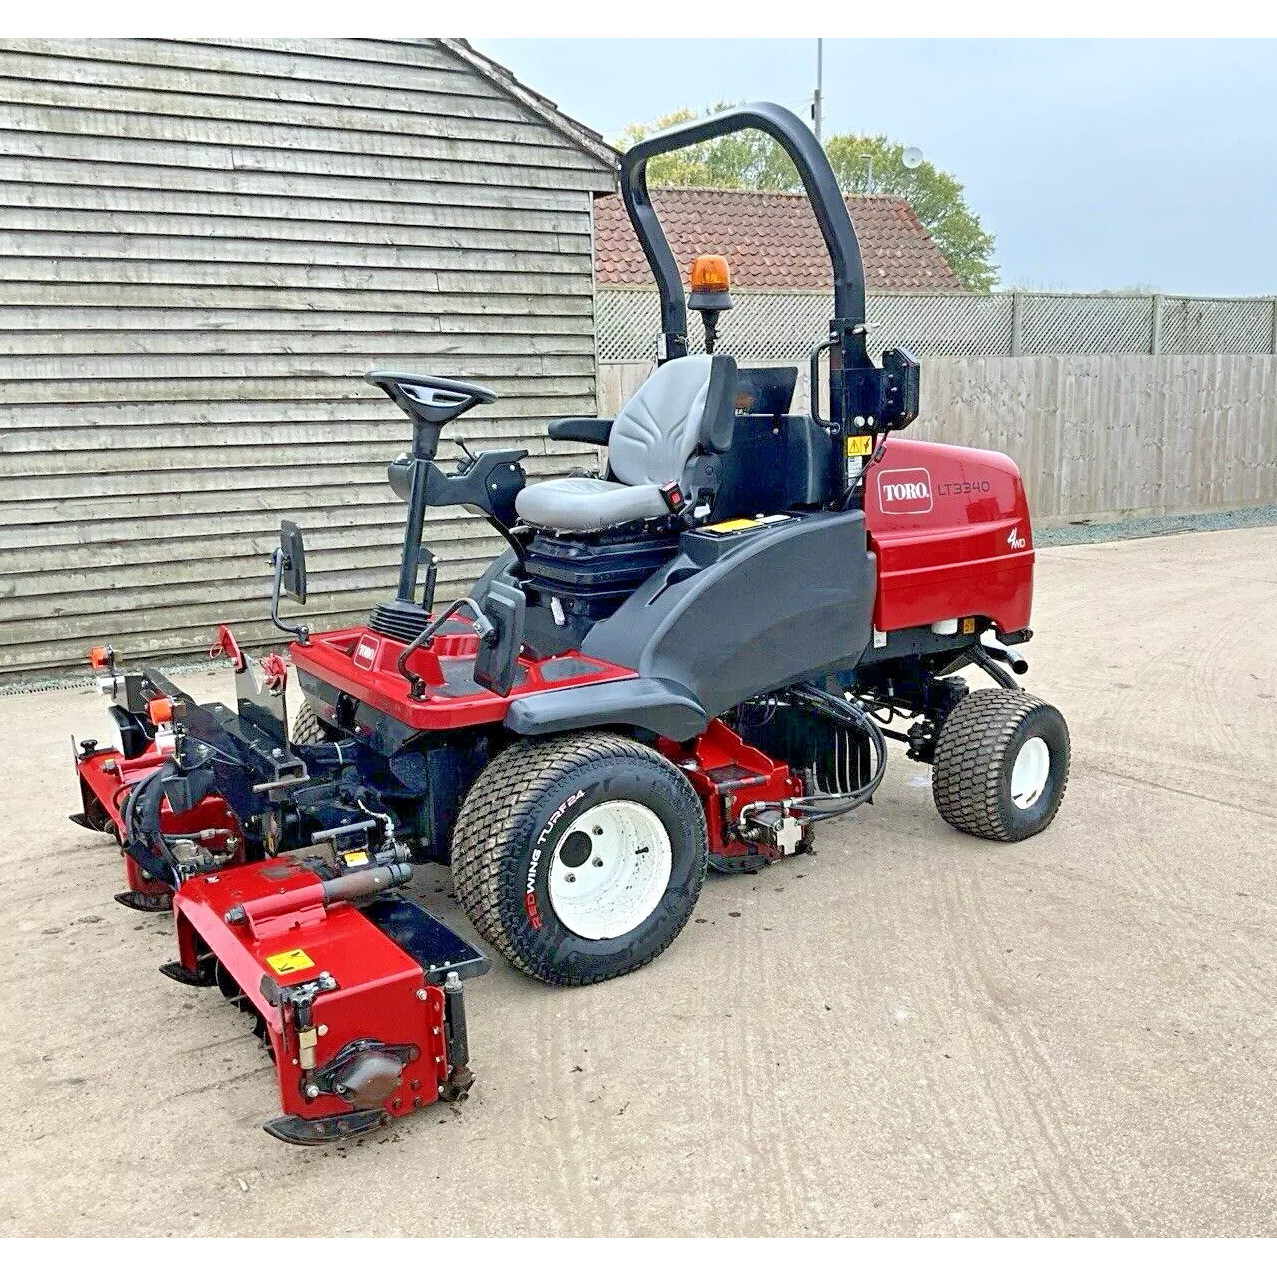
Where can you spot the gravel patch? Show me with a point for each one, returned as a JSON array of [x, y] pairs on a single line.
[[1155, 525]]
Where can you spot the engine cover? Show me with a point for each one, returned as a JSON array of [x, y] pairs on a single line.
[[950, 527]]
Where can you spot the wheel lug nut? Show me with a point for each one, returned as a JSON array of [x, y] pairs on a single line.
[[571, 877], [598, 831], [597, 863]]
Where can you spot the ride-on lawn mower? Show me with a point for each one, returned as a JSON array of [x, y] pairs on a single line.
[[687, 662]]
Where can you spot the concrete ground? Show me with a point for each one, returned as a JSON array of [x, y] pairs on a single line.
[[911, 1032]]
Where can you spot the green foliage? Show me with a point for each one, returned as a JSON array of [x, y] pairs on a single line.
[[752, 161]]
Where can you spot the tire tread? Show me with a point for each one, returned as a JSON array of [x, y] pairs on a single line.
[[966, 775], [495, 817], [308, 729]]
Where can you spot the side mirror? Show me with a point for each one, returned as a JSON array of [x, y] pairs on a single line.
[[293, 551]]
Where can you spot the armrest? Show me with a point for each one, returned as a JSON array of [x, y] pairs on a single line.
[[582, 430]]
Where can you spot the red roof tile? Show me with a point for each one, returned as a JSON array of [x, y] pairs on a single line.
[[771, 240]]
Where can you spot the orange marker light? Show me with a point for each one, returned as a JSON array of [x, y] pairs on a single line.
[[160, 710], [710, 274], [100, 657]]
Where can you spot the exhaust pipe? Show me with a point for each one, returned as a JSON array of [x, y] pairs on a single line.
[[1008, 656]]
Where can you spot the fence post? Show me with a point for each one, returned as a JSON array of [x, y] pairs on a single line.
[[1155, 326], [1273, 346], [1017, 322]]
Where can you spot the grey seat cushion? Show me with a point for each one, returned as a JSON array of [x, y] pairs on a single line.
[[648, 446], [588, 505]]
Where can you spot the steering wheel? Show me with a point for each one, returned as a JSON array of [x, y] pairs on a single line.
[[430, 402]]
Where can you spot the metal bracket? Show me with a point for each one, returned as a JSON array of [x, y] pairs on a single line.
[[289, 772], [328, 1080]]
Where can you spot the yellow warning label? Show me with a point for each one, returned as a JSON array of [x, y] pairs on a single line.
[[353, 858], [289, 961], [859, 445], [731, 525]]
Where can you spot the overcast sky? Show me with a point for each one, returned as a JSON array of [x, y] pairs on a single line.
[[1096, 164]]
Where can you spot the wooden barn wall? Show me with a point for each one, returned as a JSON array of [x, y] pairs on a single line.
[[203, 247]]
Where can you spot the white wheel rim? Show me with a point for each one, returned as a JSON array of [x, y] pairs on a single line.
[[616, 870], [1030, 772]]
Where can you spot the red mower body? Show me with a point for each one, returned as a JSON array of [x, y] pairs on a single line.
[[950, 527], [730, 615], [363, 664]]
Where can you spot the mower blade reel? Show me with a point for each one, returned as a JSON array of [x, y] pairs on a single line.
[[324, 1130]]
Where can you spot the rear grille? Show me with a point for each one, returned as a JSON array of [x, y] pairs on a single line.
[[398, 620]]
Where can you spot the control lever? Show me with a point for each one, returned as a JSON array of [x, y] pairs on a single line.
[[480, 624]]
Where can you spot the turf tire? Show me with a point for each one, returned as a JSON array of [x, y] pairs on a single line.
[[975, 755], [309, 729], [519, 800]]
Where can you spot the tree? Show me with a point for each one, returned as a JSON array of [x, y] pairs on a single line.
[[753, 161]]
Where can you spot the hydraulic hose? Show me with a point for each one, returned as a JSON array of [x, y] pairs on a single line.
[[141, 819], [819, 807], [827, 806]]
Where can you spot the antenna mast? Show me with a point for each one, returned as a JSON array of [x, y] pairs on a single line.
[[816, 101]]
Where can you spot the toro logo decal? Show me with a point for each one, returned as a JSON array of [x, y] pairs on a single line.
[[366, 652], [904, 491]]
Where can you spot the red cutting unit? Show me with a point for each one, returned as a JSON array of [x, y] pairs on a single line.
[[354, 990]]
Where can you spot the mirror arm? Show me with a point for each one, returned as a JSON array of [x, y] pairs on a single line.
[[300, 632]]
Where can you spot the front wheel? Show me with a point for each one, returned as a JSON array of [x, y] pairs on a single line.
[[580, 858], [1001, 765], [310, 729]]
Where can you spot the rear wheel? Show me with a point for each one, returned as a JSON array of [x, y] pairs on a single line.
[[580, 858], [1001, 765]]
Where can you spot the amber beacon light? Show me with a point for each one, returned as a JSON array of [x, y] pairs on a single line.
[[711, 284]]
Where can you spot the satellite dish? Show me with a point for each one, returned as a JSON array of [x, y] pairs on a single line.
[[912, 157]]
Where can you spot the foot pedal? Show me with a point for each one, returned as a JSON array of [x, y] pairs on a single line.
[[146, 902]]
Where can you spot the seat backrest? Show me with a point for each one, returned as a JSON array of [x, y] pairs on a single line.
[[685, 405]]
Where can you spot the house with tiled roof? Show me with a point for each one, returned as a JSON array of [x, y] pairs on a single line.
[[771, 241]]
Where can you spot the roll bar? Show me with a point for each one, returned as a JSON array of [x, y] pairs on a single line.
[[864, 400], [799, 143]]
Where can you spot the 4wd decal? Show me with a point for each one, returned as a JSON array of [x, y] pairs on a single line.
[[543, 838], [904, 491]]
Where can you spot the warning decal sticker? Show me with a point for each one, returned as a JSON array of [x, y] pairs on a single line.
[[289, 961]]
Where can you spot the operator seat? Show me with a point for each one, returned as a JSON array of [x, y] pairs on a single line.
[[678, 418]]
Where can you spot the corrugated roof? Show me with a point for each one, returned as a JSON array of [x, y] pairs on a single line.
[[771, 240]]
